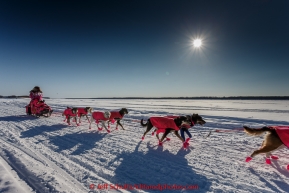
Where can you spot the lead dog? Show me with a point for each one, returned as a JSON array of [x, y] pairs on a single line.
[[70, 113], [83, 112], [277, 138], [108, 117], [167, 126]]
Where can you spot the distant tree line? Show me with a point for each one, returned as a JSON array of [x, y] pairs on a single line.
[[21, 96], [204, 97]]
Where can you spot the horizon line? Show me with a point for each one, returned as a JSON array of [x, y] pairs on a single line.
[[195, 97]]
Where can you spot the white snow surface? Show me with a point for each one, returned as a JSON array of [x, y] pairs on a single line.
[[47, 155]]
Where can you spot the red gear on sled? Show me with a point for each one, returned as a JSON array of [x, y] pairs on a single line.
[[38, 108]]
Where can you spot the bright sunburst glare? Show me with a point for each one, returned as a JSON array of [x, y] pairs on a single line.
[[197, 43]]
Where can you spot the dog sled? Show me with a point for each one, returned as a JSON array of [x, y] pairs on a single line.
[[38, 108]]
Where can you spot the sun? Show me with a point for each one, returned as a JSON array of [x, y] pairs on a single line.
[[197, 43]]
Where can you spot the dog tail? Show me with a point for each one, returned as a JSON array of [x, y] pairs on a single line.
[[142, 124], [256, 131]]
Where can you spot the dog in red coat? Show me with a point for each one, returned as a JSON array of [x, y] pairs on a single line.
[[166, 125], [83, 112], [70, 113], [169, 124], [277, 137], [109, 117]]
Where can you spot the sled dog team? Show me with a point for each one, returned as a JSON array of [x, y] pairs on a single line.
[[277, 137]]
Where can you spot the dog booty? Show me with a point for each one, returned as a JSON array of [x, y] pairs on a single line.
[[274, 157], [108, 131], [288, 167], [142, 138], [153, 133], [268, 161], [160, 143], [116, 128], [77, 124], [188, 139], [248, 159], [186, 145], [168, 139], [99, 128]]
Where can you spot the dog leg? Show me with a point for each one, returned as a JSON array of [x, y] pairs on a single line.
[[160, 143], [118, 123], [185, 142], [98, 127], [165, 135], [269, 154], [79, 120], [103, 125], [91, 119], [87, 118], [149, 127], [68, 120], [157, 135], [264, 149], [65, 117], [75, 118], [116, 127], [177, 134]]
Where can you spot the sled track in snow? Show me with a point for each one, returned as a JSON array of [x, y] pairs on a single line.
[[69, 158]]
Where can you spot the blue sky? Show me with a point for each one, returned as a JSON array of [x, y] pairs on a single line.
[[144, 48]]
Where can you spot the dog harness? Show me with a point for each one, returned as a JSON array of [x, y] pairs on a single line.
[[283, 133]]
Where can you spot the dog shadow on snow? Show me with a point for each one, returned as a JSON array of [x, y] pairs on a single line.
[[17, 118], [154, 167], [282, 172], [77, 142], [38, 130], [274, 184]]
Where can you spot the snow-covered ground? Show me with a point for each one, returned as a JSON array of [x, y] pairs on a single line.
[[47, 155]]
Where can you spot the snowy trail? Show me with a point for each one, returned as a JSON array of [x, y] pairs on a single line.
[[62, 158]]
